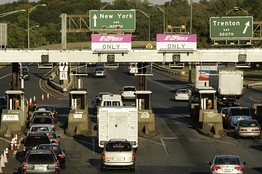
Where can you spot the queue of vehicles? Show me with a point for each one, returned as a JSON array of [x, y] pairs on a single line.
[[41, 146]]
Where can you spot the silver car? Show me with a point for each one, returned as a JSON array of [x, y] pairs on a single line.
[[118, 153], [41, 161], [226, 164], [248, 128]]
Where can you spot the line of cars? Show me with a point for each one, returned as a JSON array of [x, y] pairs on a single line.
[[41, 146], [240, 119]]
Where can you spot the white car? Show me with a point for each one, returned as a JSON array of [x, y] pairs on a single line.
[[230, 164], [99, 72], [183, 94], [128, 92], [118, 153], [132, 69]]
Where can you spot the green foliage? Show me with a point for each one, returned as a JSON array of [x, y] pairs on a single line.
[[175, 13]]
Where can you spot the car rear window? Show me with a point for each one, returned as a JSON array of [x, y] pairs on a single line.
[[182, 91], [36, 140], [118, 146], [248, 123], [42, 120], [40, 159], [56, 149], [240, 112], [227, 160], [129, 89]]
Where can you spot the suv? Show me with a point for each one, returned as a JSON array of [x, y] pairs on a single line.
[[118, 153], [235, 114], [40, 161], [34, 139]]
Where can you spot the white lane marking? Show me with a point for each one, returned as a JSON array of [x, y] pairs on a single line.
[[4, 76]]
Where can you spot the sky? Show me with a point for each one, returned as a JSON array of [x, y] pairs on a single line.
[[160, 2]]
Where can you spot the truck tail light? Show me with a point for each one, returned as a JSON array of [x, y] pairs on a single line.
[[103, 157]]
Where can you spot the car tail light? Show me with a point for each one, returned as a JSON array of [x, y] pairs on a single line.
[[103, 157], [24, 149], [53, 113], [56, 165], [239, 168], [241, 129], [61, 156], [257, 129], [133, 157], [250, 117], [56, 142], [215, 168], [53, 126], [24, 166]]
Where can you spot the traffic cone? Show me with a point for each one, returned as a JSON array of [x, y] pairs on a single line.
[[12, 146], [42, 98], [5, 157], [34, 99], [47, 96], [2, 163], [7, 153], [30, 102]]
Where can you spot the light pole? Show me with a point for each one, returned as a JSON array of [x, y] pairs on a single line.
[[102, 8], [11, 12], [237, 9], [148, 16], [164, 16], [28, 24]]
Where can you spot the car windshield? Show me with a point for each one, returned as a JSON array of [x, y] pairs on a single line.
[[227, 160], [182, 91], [42, 120], [246, 123], [39, 128], [35, 140], [118, 146], [56, 149], [240, 111], [49, 108], [40, 159], [99, 69]]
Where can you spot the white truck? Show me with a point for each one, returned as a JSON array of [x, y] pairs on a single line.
[[117, 122], [229, 86]]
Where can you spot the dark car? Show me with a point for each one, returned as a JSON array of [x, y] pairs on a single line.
[[40, 161], [34, 139], [2, 102], [57, 150]]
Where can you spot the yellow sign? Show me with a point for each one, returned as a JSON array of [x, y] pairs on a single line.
[[149, 46]]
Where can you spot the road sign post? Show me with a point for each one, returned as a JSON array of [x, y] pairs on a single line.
[[123, 20], [233, 27]]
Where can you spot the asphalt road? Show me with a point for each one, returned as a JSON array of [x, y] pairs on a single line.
[[177, 148]]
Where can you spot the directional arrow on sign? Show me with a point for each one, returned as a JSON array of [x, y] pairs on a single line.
[[95, 17], [246, 26]]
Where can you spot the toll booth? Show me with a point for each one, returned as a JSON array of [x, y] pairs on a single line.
[[146, 117], [79, 122], [210, 121], [13, 118]]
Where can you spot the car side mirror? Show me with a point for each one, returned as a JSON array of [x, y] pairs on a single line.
[[244, 163], [209, 163], [63, 150], [58, 137], [95, 128], [25, 132]]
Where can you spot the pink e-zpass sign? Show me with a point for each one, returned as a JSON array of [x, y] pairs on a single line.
[[176, 41], [111, 42]]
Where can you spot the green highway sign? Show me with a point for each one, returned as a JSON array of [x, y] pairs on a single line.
[[112, 20], [231, 27]]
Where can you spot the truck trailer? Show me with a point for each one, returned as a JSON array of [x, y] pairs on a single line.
[[117, 122]]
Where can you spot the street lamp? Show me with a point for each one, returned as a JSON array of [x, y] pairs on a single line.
[[28, 25], [11, 12], [237, 9], [148, 16], [164, 16], [102, 8]]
